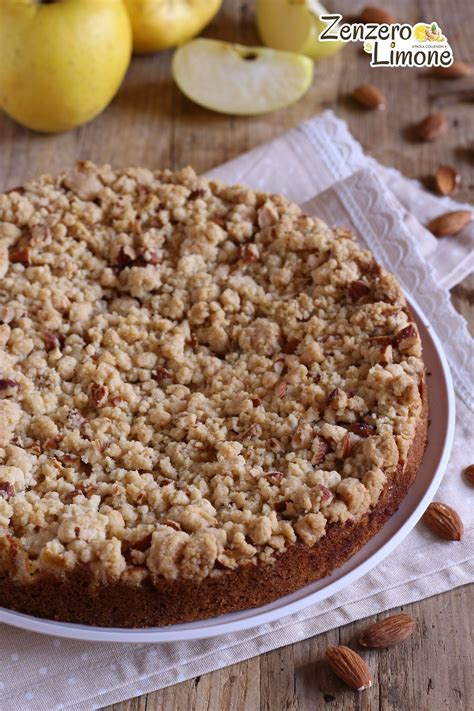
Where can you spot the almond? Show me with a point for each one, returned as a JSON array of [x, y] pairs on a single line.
[[274, 477], [330, 397], [6, 490], [248, 253], [356, 290], [253, 432], [406, 337], [196, 194], [369, 96], [86, 488], [53, 340], [378, 15], [362, 429], [450, 223], [325, 493], [275, 444], [320, 448], [7, 384], [97, 395], [456, 70], [75, 418], [444, 521], [469, 473], [125, 256], [161, 374], [388, 632], [345, 446], [447, 180], [20, 256], [291, 346], [53, 442], [432, 126], [349, 666]]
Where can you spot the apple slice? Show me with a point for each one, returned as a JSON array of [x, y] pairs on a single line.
[[234, 79], [294, 26]]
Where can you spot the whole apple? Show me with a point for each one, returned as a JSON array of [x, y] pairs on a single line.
[[159, 24], [61, 61]]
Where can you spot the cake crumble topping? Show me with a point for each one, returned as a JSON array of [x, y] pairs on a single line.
[[193, 377]]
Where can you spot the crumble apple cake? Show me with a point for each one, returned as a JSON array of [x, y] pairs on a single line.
[[207, 398]]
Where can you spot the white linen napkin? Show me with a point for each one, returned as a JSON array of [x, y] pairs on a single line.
[[320, 165]]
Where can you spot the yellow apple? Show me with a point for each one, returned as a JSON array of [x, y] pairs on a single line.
[[61, 61], [159, 24], [294, 26], [235, 79]]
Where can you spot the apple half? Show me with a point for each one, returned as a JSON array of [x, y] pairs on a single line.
[[235, 79], [294, 26]]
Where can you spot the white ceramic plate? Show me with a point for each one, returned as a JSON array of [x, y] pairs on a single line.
[[441, 433]]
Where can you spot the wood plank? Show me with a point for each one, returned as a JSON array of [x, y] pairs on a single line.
[[430, 671], [235, 687]]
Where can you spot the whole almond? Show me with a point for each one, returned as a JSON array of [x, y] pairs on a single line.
[[450, 223], [469, 473], [456, 70], [433, 126], [444, 521], [388, 632], [349, 667], [378, 15], [369, 96], [447, 180]]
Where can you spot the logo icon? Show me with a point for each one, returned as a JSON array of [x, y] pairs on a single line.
[[428, 33]]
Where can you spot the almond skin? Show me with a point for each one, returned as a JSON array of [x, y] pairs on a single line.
[[469, 473], [388, 632], [356, 290], [369, 96], [447, 180], [450, 223], [432, 127], [457, 70], [20, 256], [372, 13], [444, 521], [349, 667]]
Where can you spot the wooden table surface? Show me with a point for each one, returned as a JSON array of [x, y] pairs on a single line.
[[150, 123]]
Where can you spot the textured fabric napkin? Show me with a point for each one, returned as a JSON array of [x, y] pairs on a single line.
[[320, 165]]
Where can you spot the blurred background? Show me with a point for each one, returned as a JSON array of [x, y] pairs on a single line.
[[150, 122]]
